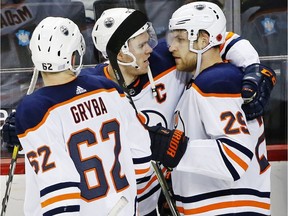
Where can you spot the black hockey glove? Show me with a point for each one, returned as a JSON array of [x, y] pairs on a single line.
[[257, 84], [9, 135], [167, 146]]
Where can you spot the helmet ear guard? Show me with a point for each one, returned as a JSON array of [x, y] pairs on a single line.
[[53, 43]]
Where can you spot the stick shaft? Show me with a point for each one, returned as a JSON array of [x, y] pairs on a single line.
[[10, 178], [165, 188]]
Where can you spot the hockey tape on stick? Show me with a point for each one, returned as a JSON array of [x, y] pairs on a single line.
[[118, 207], [165, 188], [16, 150]]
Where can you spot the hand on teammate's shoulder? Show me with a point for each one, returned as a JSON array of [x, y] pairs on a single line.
[[257, 84]]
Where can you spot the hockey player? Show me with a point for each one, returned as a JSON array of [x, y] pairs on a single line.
[[167, 82], [134, 59], [78, 133], [76, 154], [224, 170]]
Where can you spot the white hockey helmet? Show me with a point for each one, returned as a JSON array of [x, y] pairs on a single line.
[[113, 21], [197, 16], [53, 43]]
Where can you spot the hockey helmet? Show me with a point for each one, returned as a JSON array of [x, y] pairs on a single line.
[[114, 22], [197, 16], [53, 43]]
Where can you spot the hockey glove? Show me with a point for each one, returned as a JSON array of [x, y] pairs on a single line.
[[257, 84], [167, 146], [9, 135]]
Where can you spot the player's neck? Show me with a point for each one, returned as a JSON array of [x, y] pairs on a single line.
[[127, 77], [57, 78], [210, 58]]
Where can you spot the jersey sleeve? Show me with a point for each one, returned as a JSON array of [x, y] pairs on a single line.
[[238, 51], [227, 149]]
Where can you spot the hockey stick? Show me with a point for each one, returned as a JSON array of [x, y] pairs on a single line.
[[113, 47], [122, 202], [165, 188], [10, 178], [15, 152]]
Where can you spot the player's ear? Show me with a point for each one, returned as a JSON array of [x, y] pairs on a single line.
[[203, 39], [120, 56], [73, 60]]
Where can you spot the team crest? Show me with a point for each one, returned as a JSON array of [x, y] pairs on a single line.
[[199, 6], [109, 22], [153, 117], [64, 30]]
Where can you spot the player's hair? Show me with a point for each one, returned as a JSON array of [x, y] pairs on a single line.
[[54, 42]]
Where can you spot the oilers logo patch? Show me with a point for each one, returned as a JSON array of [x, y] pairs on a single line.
[[154, 117], [64, 30], [109, 22]]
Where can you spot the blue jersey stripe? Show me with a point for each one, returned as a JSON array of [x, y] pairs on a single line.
[[59, 186]]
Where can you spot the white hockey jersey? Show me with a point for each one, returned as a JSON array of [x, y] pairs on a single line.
[[79, 140], [170, 85], [160, 109], [224, 170], [238, 51]]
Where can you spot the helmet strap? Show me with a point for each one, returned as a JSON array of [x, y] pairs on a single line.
[[133, 63], [199, 56], [124, 31]]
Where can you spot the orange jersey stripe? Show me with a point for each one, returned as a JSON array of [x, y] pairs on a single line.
[[235, 158], [60, 198], [215, 94], [141, 171], [161, 75], [105, 69], [229, 35], [223, 205], [140, 191]]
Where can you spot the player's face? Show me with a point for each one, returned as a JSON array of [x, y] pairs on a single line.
[[140, 48], [179, 47]]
